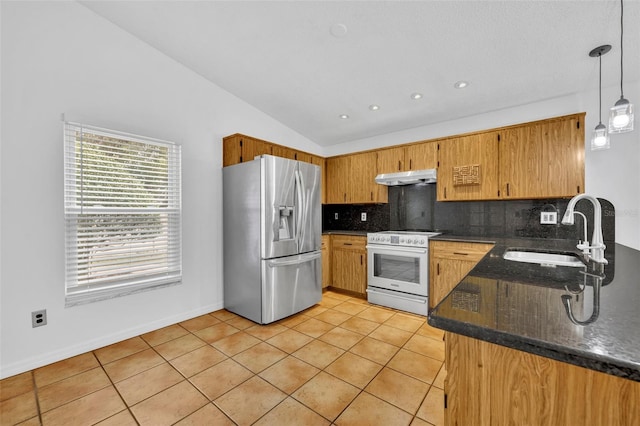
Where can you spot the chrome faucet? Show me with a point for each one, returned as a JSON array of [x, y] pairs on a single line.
[[595, 251]]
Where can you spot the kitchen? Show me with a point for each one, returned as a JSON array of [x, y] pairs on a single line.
[[40, 83]]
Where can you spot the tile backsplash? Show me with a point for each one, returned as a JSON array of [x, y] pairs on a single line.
[[415, 207]]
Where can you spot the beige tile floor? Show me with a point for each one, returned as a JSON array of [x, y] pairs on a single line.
[[342, 362]]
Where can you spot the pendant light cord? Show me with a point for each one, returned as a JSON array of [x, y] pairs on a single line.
[[621, 50], [600, 91]]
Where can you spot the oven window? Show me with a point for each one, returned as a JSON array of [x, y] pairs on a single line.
[[399, 268]]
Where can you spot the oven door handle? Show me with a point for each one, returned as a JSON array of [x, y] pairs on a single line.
[[402, 249], [410, 299]]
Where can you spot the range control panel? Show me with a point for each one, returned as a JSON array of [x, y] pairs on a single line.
[[401, 238]]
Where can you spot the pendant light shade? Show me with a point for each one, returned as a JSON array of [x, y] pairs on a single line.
[[621, 117], [621, 114], [600, 136]]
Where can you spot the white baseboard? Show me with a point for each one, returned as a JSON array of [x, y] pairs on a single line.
[[93, 344]]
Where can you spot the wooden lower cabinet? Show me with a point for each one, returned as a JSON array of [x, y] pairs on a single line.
[[349, 263], [449, 263], [326, 261], [489, 384]]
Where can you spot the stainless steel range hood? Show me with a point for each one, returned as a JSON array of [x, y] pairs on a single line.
[[407, 178]]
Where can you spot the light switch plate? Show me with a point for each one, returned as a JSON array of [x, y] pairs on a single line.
[[548, 218], [363, 216]]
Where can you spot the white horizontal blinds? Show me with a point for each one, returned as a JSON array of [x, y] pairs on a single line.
[[122, 209]]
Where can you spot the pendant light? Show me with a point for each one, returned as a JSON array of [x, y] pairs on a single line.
[[621, 114], [600, 137]]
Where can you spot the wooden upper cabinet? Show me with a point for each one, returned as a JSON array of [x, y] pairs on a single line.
[[543, 159], [284, 152], [240, 148], [421, 156], [361, 176], [390, 160], [468, 168], [337, 179], [351, 179]]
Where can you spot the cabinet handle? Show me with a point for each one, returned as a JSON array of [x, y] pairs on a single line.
[[460, 253], [508, 194], [399, 165], [371, 195], [438, 268], [445, 192], [410, 164], [360, 259], [345, 197], [347, 244]]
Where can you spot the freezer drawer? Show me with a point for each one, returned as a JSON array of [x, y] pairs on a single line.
[[290, 284]]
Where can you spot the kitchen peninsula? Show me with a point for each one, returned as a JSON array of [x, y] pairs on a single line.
[[527, 344]]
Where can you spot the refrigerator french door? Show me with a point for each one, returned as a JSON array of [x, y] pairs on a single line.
[[272, 238]]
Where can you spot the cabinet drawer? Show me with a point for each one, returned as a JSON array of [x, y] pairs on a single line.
[[472, 252], [348, 242]]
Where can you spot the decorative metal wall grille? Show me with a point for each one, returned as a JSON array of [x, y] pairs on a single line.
[[466, 175]]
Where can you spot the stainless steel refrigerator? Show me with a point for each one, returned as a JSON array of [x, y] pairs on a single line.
[[272, 238]]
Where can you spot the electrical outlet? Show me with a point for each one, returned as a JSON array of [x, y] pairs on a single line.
[[335, 216], [548, 218], [39, 318], [363, 216]]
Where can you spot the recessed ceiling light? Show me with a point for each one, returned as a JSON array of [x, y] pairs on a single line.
[[416, 96], [338, 30], [343, 116], [374, 107], [460, 84]]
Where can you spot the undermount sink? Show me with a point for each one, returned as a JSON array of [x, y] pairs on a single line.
[[543, 258]]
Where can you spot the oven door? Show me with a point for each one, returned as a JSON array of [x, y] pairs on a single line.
[[404, 269]]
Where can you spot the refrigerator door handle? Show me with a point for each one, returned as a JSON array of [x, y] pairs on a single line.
[[301, 206], [299, 259]]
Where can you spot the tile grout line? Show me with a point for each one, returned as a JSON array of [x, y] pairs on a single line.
[[35, 394], [117, 391]]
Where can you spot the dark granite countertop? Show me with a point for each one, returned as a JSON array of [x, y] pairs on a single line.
[[587, 316], [356, 233]]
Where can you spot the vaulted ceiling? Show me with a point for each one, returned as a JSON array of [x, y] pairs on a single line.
[[305, 63]]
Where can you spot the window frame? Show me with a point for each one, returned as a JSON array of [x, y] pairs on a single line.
[[125, 201]]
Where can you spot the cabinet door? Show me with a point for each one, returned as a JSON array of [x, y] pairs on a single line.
[[284, 152], [543, 159], [349, 263], [468, 168], [445, 274], [337, 179], [563, 153], [363, 188], [421, 156], [231, 150], [349, 270], [449, 263], [390, 160], [326, 261], [253, 147]]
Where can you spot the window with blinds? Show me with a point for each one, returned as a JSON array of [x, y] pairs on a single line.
[[122, 212]]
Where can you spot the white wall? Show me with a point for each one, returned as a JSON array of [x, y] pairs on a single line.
[[59, 57], [613, 174]]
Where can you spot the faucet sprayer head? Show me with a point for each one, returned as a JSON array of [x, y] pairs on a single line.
[[567, 219]]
